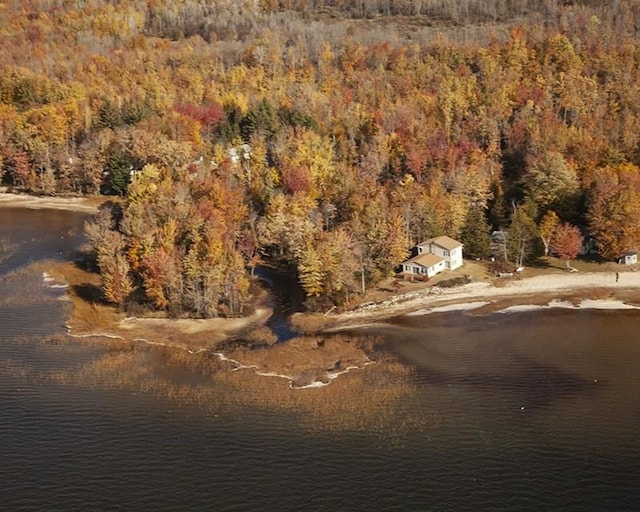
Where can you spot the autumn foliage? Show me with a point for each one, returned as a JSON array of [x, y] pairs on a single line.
[[566, 243], [326, 138]]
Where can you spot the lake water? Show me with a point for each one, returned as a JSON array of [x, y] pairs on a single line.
[[459, 412]]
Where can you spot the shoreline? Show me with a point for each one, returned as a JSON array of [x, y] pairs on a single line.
[[596, 290], [607, 287], [89, 319], [312, 361], [75, 204], [524, 291]]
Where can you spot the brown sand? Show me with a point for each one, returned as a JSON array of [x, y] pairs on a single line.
[[77, 204]]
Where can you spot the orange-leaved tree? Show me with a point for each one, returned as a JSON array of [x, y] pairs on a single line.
[[614, 209], [566, 243]]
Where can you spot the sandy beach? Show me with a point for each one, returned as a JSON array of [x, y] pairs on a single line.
[[77, 204], [602, 290]]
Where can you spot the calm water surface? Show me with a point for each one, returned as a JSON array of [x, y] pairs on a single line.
[[528, 411]]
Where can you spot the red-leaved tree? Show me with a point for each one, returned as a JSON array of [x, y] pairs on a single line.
[[566, 243]]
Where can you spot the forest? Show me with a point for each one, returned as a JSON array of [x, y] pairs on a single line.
[[323, 138]]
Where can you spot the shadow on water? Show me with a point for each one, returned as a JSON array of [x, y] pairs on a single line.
[[537, 384], [287, 298], [488, 355]]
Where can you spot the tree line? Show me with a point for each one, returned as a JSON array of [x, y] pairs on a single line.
[[243, 133]]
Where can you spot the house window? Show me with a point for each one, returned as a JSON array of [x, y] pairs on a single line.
[[446, 253]]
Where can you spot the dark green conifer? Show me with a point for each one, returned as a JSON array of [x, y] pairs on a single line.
[[475, 234]]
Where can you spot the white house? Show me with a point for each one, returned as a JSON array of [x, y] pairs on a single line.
[[435, 255]]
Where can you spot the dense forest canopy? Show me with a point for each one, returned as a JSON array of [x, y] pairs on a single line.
[[325, 137]]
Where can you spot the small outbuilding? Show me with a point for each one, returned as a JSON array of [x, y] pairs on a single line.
[[630, 258]]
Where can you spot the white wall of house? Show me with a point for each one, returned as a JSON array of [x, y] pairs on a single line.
[[438, 251], [418, 270], [431, 271], [438, 267], [455, 258], [413, 269]]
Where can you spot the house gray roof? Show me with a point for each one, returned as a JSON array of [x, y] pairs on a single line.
[[444, 241], [425, 260]]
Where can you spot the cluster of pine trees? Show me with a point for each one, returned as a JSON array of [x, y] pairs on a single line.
[[325, 137]]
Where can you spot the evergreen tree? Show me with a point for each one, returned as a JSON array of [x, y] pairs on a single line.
[[475, 234], [498, 215], [109, 115], [261, 119], [118, 173]]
